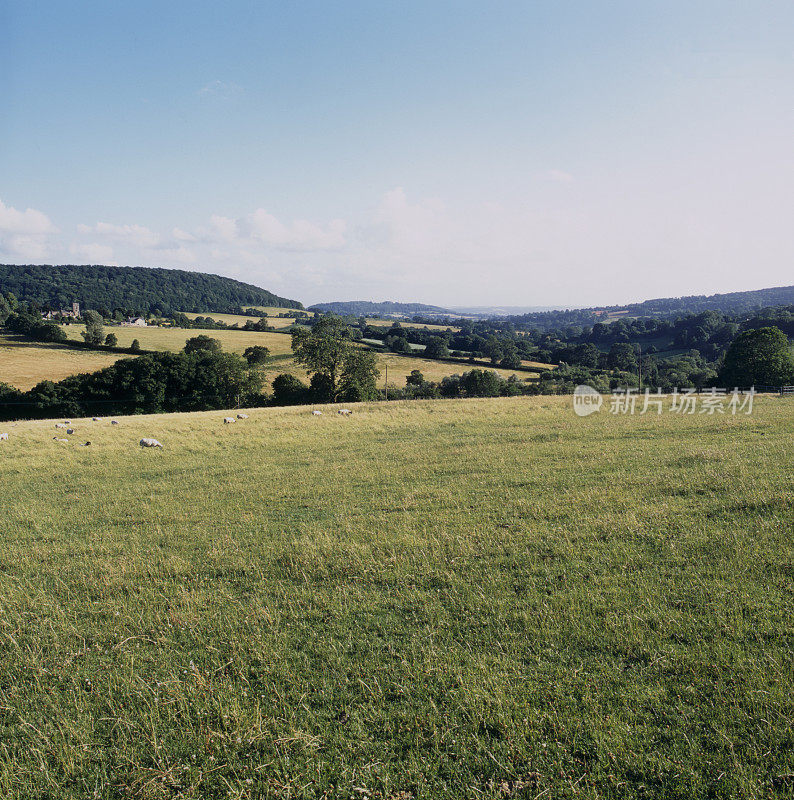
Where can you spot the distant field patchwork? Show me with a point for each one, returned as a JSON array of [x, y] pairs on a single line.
[[23, 364], [173, 339], [238, 319], [399, 368]]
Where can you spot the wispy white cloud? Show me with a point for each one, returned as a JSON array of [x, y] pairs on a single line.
[[223, 90], [260, 229], [28, 222], [137, 235], [300, 234], [25, 235], [93, 253]]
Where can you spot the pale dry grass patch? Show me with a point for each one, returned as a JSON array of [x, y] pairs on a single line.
[[23, 364], [173, 339]]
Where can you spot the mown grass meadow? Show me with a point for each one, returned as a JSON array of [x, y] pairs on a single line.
[[173, 339], [24, 363], [481, 598]]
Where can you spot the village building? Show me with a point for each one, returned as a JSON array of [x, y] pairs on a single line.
[[73, 313]]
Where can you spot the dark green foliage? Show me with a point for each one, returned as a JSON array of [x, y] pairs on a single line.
[[359, 373], [149, 384], [138, 290], [437, 348], [361, 308], [111, 340], [8, 394], [5, 309], [415, 378], [510, 357], [321, 390], [668, 307], [34, 327], [290, 391], [323, 348], [482, 383], [135, 346], [257, 354], [339, 369], [758, 357], [398, 344], [622, 356], [94, 333], [260, 325], [203, 343]]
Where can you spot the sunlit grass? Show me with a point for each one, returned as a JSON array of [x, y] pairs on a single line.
[[173, 339], [486, 598], [24, 364], [238, 319]]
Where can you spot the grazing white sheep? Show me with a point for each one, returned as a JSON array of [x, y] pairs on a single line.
[[317, 413], [114, 422], [150, 443], [64, 441], [3, 437], [96, 419], [61, 425], [228, 420], [242, 416], [345, 411], [84, 445]]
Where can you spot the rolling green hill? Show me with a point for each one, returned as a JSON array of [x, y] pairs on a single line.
[[366, 308], [137, 290]]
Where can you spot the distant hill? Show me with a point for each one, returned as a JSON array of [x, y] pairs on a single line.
[[366, 308], [502, 311], [138, 290], [660, 308]]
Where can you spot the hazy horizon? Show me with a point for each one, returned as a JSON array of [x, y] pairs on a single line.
[[452, 154]]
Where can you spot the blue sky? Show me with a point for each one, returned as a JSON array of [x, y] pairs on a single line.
[[445, 152]]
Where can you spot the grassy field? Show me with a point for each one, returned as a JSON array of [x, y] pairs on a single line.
[[24, 364], [487, 598], [399, 369], [231, 319], [387, 323], [173, 339]]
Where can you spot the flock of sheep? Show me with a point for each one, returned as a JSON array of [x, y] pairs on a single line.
[[148, 442]]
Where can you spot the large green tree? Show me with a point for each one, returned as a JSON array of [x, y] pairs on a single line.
[[437, 348], [256, 354], [203, 343], [761, 357], [359, 373], [94, 332], [337, 365]]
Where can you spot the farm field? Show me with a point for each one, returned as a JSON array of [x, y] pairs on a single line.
[[273, 311], [387, 323], [482, 598], [231, 319], [399, 369], [173, 339], [24, 364]]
